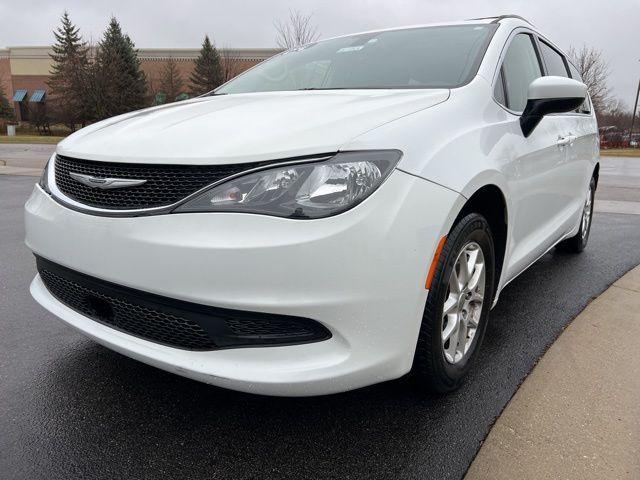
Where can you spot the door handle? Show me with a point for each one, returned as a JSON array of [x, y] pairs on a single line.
[[564, 141]]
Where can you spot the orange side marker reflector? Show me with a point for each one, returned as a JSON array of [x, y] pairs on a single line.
[[434, 263]]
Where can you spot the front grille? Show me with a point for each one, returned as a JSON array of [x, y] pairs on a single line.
[[165, 184], [173, 322]]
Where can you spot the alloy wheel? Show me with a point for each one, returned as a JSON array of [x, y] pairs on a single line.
[[586, 213], [463, 305]]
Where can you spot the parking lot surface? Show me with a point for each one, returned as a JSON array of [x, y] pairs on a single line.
[[72, 409], [25, 155]]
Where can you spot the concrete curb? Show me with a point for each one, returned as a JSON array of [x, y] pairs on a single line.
[[31, 172], [577, 414], [617, 206]]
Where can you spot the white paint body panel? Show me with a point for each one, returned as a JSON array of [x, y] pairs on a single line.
[[360, 273], [556, 87], [246, 127]]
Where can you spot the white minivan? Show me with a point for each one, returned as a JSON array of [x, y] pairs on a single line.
[[342, 214]]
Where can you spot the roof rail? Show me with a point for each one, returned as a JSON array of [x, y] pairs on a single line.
[[502, 17]]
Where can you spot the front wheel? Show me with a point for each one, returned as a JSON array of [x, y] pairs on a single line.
[[458, 303]]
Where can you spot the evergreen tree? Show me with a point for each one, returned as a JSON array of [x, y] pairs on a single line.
[[6, 111], [171, 81], [207, 74], [69, 75], [118, 85]]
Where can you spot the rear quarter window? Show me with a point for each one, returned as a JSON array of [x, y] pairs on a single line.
[[553, 60]]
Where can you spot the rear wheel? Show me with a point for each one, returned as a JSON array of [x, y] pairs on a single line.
[[457, 307], [578, 242]]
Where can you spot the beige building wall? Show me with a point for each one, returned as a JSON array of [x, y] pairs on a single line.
[[30, 61]]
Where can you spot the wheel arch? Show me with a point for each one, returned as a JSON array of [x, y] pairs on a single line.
[[490, 201], [596, 173]]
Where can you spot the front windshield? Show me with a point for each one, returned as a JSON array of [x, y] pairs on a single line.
[[424, 57]]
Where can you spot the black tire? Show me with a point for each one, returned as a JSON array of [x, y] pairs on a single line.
[[431, 370], [578, 242]]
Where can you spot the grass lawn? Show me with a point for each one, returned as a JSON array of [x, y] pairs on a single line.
[[30, 139], [620, 152]]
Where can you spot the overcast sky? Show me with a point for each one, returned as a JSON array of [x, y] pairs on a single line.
[[612, 26]]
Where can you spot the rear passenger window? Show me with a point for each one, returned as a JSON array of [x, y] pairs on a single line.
[[519, 68], [586, 105], [574, 73], [553, 60]]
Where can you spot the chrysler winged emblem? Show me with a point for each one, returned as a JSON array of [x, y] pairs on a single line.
[[105, 183]]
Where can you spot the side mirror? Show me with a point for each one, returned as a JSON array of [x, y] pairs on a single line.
[[550, 95]]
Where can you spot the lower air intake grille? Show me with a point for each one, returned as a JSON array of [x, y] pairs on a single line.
[[173, 322]]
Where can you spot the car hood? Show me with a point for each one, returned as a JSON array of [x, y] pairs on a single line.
[[245, 127]]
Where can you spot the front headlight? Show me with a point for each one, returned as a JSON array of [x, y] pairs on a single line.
[[305, 190], [44, 178]]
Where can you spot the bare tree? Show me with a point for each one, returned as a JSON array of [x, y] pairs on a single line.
[[229, 63], [298, 29], [594, 70]]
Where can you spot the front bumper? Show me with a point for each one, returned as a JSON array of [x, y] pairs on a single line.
[[361, 274]]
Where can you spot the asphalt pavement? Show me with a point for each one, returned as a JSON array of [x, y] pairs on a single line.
[[70, 408]]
